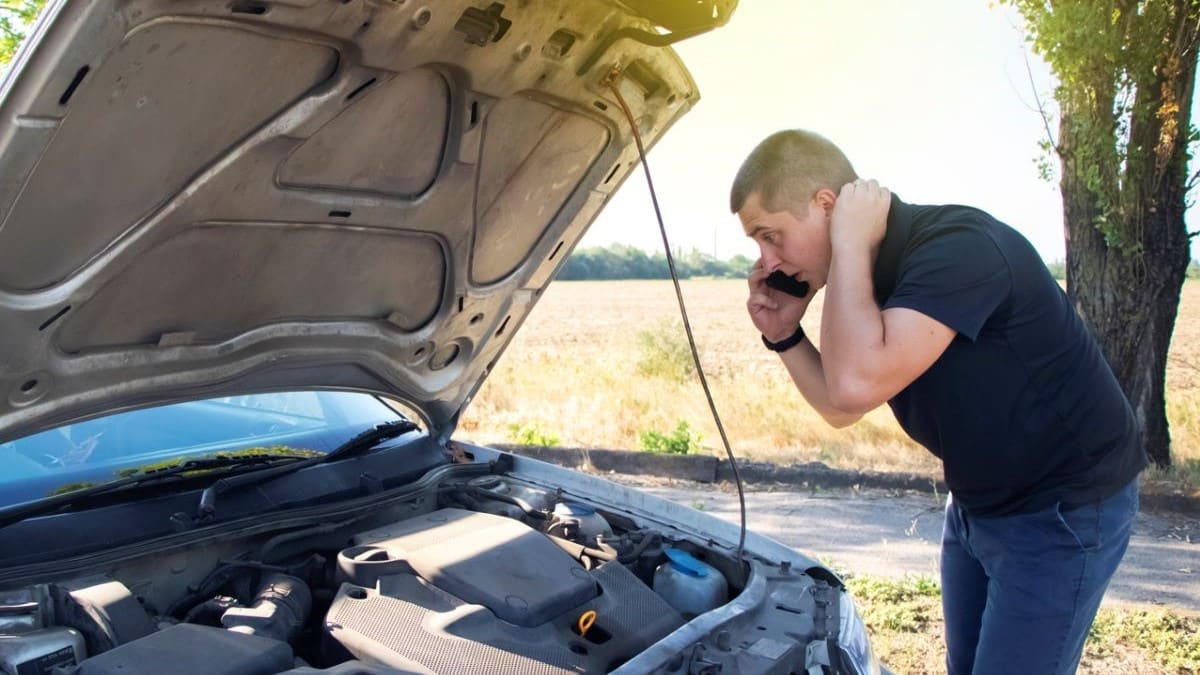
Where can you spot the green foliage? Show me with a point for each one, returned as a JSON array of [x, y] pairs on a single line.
[[663, 351], [904, 605], [684, 440], [619, 261], [1170, 639], [15, 19], [530, 433], [883, 589], [1121, 100]]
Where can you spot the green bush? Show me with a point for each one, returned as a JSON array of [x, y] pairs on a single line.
[[530, 434], [663, 351], [682, 441], [905, 605]]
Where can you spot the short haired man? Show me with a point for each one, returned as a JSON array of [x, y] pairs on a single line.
[[950, 317]]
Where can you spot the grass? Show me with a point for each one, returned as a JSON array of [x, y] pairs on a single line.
[[529, 433], [600, 363], [904, 618], [682, 441]]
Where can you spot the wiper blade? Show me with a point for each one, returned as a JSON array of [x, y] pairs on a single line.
[[362, 442], [19, 512]]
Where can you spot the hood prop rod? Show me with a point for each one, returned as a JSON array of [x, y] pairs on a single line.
[[610, 81]]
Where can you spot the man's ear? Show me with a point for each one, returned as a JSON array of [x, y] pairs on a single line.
[[826, 199]]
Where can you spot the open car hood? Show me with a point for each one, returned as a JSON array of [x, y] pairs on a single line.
[[201, 197]]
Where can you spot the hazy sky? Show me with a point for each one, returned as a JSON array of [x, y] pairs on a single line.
[[931, 97]]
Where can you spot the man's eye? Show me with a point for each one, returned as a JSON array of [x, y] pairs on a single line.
[[771, 237]]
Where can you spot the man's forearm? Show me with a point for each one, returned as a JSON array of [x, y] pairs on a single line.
[[852, 335], [803, 363]]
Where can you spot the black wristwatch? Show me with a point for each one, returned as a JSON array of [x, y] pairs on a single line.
[[786, 343]]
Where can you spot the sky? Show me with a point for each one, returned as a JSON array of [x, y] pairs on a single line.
[[933, 98]]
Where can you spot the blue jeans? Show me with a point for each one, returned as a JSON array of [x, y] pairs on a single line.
[[1019, 592]]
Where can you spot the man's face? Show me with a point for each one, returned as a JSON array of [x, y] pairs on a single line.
[[796, 245]]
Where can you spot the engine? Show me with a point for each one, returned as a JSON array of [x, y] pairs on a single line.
[[494, 576]]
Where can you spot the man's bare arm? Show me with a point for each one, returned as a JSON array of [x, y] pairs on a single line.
[[869, 355], [803, 363]]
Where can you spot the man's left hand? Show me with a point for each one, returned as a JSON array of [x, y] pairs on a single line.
[[859, 217]]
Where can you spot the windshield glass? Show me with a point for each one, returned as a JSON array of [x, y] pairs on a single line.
[[101, 449]]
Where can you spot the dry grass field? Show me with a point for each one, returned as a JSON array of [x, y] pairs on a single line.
[[599, 363]]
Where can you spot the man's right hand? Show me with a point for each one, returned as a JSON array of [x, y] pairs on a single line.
[[775, 314]]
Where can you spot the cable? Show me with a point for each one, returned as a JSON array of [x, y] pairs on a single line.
[[687, 326]]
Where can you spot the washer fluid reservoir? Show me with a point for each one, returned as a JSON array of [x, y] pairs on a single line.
[[688, 584]]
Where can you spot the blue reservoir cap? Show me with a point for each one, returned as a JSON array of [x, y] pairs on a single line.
[[686, 563]]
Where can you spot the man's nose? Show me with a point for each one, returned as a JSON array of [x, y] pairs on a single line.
[[769, 259]]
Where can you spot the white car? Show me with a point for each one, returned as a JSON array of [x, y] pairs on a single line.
[[237, 238]]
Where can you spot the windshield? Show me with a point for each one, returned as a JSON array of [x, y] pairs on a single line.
[[101, 449]]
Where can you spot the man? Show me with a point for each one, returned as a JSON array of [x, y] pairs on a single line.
[[951, 318]]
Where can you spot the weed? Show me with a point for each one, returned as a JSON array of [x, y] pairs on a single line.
[[883, 589], [1183, 476], [682, 441], [663, 352], [530, 434], [1171, 640], [899, 605]]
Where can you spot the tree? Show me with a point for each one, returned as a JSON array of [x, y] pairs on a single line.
[[1126, 75]]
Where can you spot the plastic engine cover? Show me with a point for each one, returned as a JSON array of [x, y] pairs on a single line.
[[189, 649], [464, 553], [406, 623]]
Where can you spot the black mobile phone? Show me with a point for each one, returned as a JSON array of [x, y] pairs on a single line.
[[782, 282]]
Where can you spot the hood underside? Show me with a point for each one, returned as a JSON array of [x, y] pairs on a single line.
[[201, 197]]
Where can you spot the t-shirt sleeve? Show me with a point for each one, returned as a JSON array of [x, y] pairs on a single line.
[[957, 277]]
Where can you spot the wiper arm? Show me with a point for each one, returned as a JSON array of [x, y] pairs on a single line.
[[360, 443], [19, 512]]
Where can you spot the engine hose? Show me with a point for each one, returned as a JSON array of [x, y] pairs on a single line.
[[525, 506], [577, 551], [639, 548], [279, 610]]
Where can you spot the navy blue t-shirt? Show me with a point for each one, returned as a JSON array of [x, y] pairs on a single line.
[[1022, 408]]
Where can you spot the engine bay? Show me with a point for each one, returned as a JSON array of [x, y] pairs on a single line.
[[482, 573]]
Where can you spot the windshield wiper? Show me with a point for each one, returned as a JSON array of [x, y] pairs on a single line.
[[19, 512], [360, 443]]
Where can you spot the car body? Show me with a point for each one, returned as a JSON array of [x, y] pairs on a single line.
[[255, 259]]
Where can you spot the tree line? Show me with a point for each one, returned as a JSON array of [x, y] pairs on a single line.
[[621, 261]]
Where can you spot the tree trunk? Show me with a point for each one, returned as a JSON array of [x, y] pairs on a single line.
[[1130, 303], [1128, 291]]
